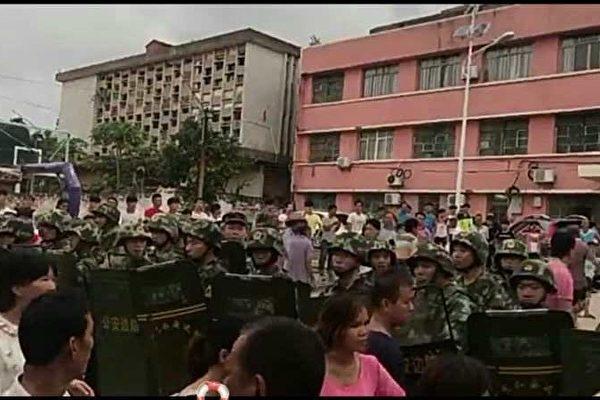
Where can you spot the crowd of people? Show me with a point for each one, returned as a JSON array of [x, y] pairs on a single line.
[[388, 280]]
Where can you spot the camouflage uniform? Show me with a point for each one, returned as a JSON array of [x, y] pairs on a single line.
[[511, 247], [536, 270], [485, 291], [6, 228], [87, 258], [429, 322], [110, 231], [356, 245], [166, 223], [59, 220], [268, 239], [120, 259], [233, 256], [379, 245], [210, 234]]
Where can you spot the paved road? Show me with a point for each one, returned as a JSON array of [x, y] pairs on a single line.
[[589, 323]]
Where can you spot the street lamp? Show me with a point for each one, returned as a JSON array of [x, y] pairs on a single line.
[[470, 31]]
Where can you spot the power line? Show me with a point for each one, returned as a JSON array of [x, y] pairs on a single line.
[[29, 103], [16, 78]]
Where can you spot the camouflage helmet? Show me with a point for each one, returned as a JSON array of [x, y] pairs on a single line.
[[377, 245], [24, 230], [476, 242], [512, 247], [164, 222], [206, 231], [434, 253], [352, 243], [265, 238], [111, 213], [87, 231], [56, 219], [6, 227], [536, 270], [131, 231]]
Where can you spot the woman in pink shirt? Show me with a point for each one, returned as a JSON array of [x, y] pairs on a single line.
[[562, 245], [343, 328]]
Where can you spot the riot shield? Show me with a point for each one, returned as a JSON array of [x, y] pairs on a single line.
[[309, 303], [581, 355], [521, 348], [145, 319], [67, 274], [233, 255]]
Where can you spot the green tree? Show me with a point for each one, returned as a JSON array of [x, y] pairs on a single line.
[[53, 147], [223, 155]]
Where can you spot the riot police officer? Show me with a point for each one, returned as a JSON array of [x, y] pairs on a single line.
[[533, 283], [107, 218], [470, 251], [130, 248], [265, 248], [381, 257], [508, 259], [84, 242], [347, 253], [51, 225], [202, 245], [7, 235], [234, 226], [165, 233], [441, 306]]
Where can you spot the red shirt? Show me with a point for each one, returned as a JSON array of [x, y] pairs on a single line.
[[151, 211]]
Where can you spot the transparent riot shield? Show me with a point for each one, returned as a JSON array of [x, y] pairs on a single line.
[[521, 348], [145, 319]]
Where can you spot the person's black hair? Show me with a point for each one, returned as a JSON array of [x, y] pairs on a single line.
[[411, 224], [441, 211], [337, 314], [131, 198], [49, 322], [203, 349], [331, 207], [173, 200], [32, 197], [561, 244], [94, 198], [452, 207], [387, 286], [3, 192], [215, 207], [299, 370], [374, 223], [269, 202], [61, 202], [405, 203], [358, 201], [466, 205], [156, 195], [479, 215], [420, 213], [429, 204], [21, 268], [504, 221], [308, 203], [113, 198], [454, 375]]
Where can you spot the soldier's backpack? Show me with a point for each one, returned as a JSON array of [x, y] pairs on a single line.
[[521, 348], [145, 319]]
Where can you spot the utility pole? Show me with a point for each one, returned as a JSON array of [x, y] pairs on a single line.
[[202, 161]]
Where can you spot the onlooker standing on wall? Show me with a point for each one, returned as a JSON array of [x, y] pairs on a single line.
[[357, 218], [156, 204], [430, 217], [440, 236]]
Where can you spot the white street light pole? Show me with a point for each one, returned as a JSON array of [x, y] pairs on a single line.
[[472, 31]]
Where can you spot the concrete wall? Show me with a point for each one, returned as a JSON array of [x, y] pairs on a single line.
[[77, 107], [254, 183]]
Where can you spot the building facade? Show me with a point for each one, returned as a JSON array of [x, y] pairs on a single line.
[[246, 78], [390, 103]]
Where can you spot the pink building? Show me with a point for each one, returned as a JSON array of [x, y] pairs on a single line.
[[393, 100]]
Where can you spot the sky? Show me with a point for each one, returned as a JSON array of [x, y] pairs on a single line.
[[40, 40]]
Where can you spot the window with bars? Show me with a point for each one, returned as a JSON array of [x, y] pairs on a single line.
[[328, 88], [503, 137], [581, 53], [324, 147], [321, 201], [439, 72], [508, 63], [578, 133], [371, 201], [379, 81], [434, 141], [376, 145]]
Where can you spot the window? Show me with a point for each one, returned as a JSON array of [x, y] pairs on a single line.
[[376, 145], [429, 198], [371, 201], [328, 88], [434, 141], [321, 201], [439, 72], [577, 133], [581, 53], [508, 63], [324, 147], [380, 81], [503, 137], [498, 204]]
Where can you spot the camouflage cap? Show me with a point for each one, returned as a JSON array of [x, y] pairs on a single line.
[[164, 222], [235, 217], [206, 231], [109, 212], [512, 247], [380, 245], [476, 242], [131, 231], [265, 238], [536, 270], [57, 219], [433, 253], [352, 243], [87, 231], [24, 230]]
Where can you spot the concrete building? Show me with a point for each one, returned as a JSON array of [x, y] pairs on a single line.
[[390, 103], [247, 78]]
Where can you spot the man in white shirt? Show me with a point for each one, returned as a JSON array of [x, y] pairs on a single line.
[[357, 218], [132, 214], [56, 334]]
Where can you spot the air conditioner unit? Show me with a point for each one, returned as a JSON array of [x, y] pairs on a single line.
[[474, 73], [343, 162], [392, 199], [543, 176], [452, 197], [395, 181]]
